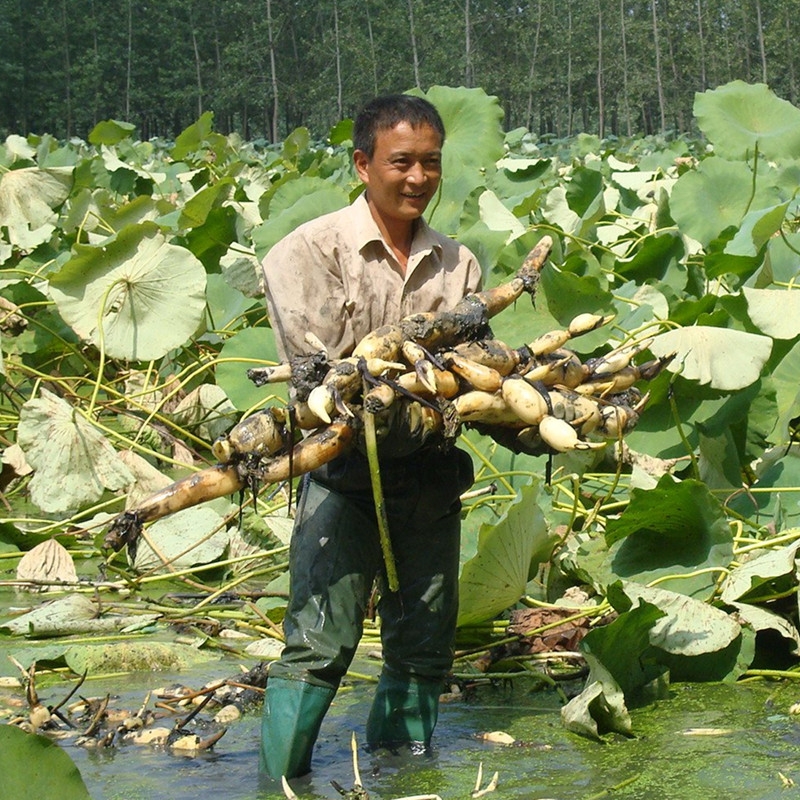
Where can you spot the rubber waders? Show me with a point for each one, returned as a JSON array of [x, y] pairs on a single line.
[[293, 712], [404, 711]]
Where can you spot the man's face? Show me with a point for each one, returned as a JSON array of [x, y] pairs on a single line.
[[404, 172]]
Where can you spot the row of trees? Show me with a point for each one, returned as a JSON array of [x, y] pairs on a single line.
[[267, 66]]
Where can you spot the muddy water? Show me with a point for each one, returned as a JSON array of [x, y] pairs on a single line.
[[704, 742]]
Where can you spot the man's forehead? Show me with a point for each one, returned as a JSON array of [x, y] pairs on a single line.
[[404, 136]]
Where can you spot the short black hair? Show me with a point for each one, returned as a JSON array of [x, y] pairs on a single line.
[[383, 113]]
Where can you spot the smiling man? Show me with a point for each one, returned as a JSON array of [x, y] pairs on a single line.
[[340, 277]]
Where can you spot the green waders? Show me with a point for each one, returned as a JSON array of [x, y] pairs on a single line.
[[334, 557]]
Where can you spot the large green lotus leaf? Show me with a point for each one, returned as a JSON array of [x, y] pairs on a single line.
[[193, 536], [293, 203], [739, 116], [73, 462], [672, 530], [757, 228], [715, 196], [32, 766], [110, 131], [28, 198], [197, 208], [137, 296], [758, 578], [688, 627], [473, 144], [775, 312], [694, 640], [614, 654], [724, 358], [496, 577], [250, 347]]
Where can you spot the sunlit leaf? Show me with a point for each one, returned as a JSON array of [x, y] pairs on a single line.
[[295, 202], [764, 575], [775, 312], [473, 145], [717, 195], [73, 462], [110, 131], [137, 296], [193, 536], [28, 199], [688, 627], [739, 116], [724, 358]]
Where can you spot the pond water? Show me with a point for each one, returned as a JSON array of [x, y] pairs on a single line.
[[704, 741]]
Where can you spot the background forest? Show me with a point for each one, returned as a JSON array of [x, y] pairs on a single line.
[[265, 67]]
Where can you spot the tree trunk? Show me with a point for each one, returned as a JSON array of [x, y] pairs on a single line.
[[415, 59], [659, 77], [761, 48], [532, 71], [273, 72], [129, 63], [601, 121], [701, 45], [626, 102], [569, 69], [372, 50], [197, 63], [338, 59], [468, 75]]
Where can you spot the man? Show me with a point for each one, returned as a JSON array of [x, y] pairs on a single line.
[[340, 277]]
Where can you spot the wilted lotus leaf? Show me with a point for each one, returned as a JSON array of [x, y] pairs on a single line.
[[73, 462], [137, 297], [48, 562]]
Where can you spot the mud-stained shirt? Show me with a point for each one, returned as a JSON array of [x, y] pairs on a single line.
[[337, 277]]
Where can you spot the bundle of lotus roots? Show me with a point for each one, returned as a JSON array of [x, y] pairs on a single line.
[[424, 377]]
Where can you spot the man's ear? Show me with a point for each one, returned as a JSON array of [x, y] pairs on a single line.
[[361, 162]]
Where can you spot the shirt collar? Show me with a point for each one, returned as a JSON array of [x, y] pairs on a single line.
[[366, 230]]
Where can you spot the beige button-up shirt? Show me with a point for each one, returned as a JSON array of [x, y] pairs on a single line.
[[336, 277]]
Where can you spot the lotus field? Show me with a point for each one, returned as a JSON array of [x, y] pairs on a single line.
[[131, 311]]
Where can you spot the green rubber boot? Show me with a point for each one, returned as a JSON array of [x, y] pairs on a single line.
[[404, 711], [293, 712]]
